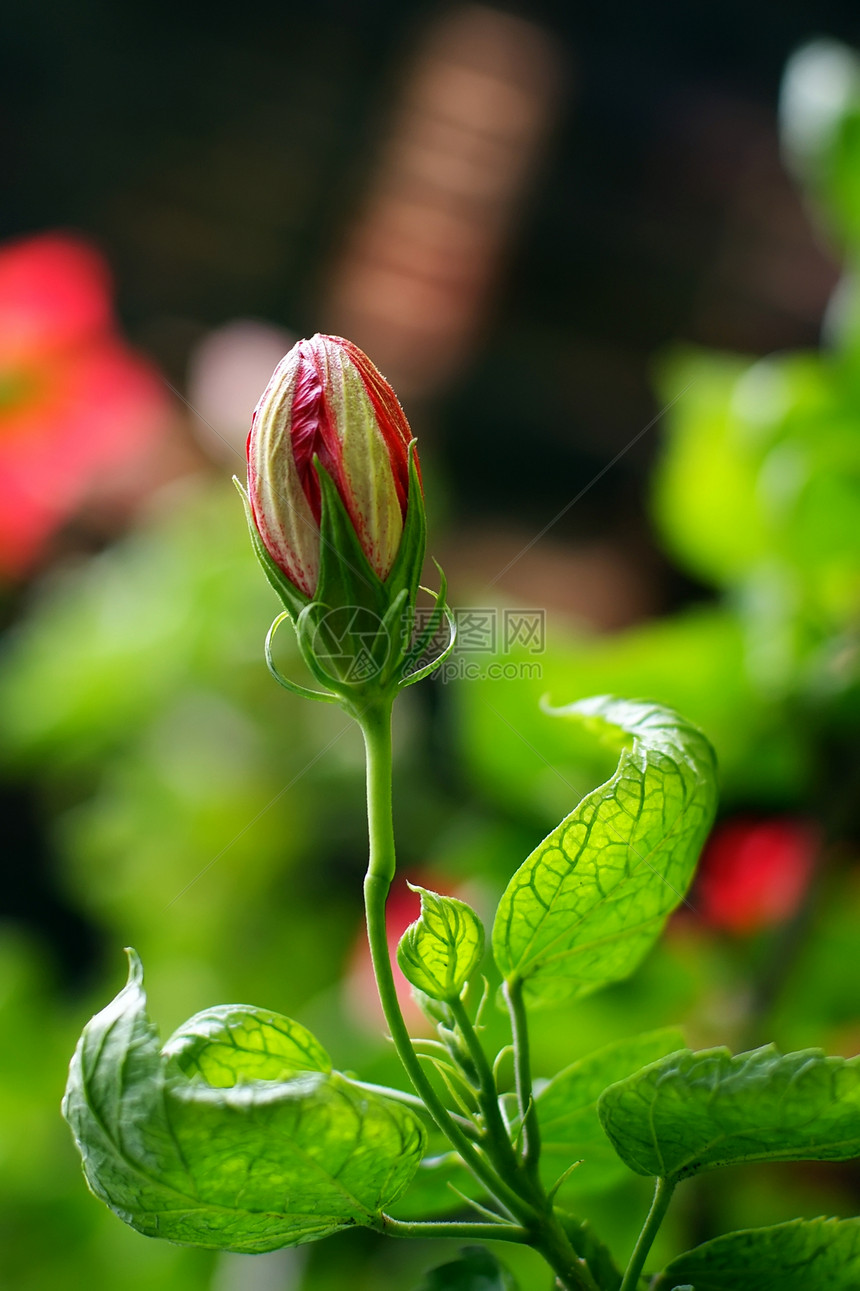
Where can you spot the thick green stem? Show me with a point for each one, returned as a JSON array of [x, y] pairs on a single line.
[[656, 1215], [537, 1225], [523, 1075], [499, 1146], [376, 728], [458, 1229]]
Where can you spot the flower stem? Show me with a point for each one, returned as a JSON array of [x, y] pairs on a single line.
[[499, 1146], [375, 724], [522, 1198], [513, 992], [656, 1215], [456, 1229]]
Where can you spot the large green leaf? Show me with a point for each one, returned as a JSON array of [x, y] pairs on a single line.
[[250, 1166], [802, 1255], [694, 1111], [588, 903], [567, 1110], [440, 951], [438, 1187], [236, 1042]]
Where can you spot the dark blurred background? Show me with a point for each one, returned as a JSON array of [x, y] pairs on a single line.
[[510, 207], [566, 235]]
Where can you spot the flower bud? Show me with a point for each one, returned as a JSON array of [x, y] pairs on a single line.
[[327, 409], [336, 513]]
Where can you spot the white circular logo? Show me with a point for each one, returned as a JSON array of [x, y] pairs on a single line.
[[352, 642]]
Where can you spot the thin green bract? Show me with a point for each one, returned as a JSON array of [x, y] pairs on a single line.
[[439, 952], [589, 902], [798, 1256], [251, 1167], [695, 1111]]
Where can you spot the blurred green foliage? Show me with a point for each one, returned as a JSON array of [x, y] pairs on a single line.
[[200, 814]]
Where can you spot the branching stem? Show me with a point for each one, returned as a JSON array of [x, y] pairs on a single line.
[[376, 728], [513, 992], [518, 1192], [656, 1215], [457, 1229], [498, 1142]]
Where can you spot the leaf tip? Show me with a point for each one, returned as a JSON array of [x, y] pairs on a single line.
[[135, 967]]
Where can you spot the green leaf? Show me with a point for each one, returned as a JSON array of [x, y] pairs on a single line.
[[801, 1255], [252, 1166], [346, 576], [567, 1110], [589, 902], [590, 1248], [237, 1042], [438, 1187], [476, 1270], [705, 486], [440, 951], [694, 1111]]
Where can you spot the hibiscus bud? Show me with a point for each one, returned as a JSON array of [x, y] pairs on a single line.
[[336, 513], [327, 412]]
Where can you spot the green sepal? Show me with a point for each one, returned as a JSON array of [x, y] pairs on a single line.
[[293, 687], [440, 610], [690, 1112], [397, 629], [440, 951], [409, 561], [353, 627], [217, 1142], [346, 576], [293, 598], [347, 582], [307, 628], [356, 631]]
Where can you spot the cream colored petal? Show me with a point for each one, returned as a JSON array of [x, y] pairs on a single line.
[[281, 510], [366, 467]]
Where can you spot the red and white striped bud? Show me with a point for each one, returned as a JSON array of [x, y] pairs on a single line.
[[326, 402]]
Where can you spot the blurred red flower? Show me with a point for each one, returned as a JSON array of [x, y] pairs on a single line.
[[755, 873], [74, 399]]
